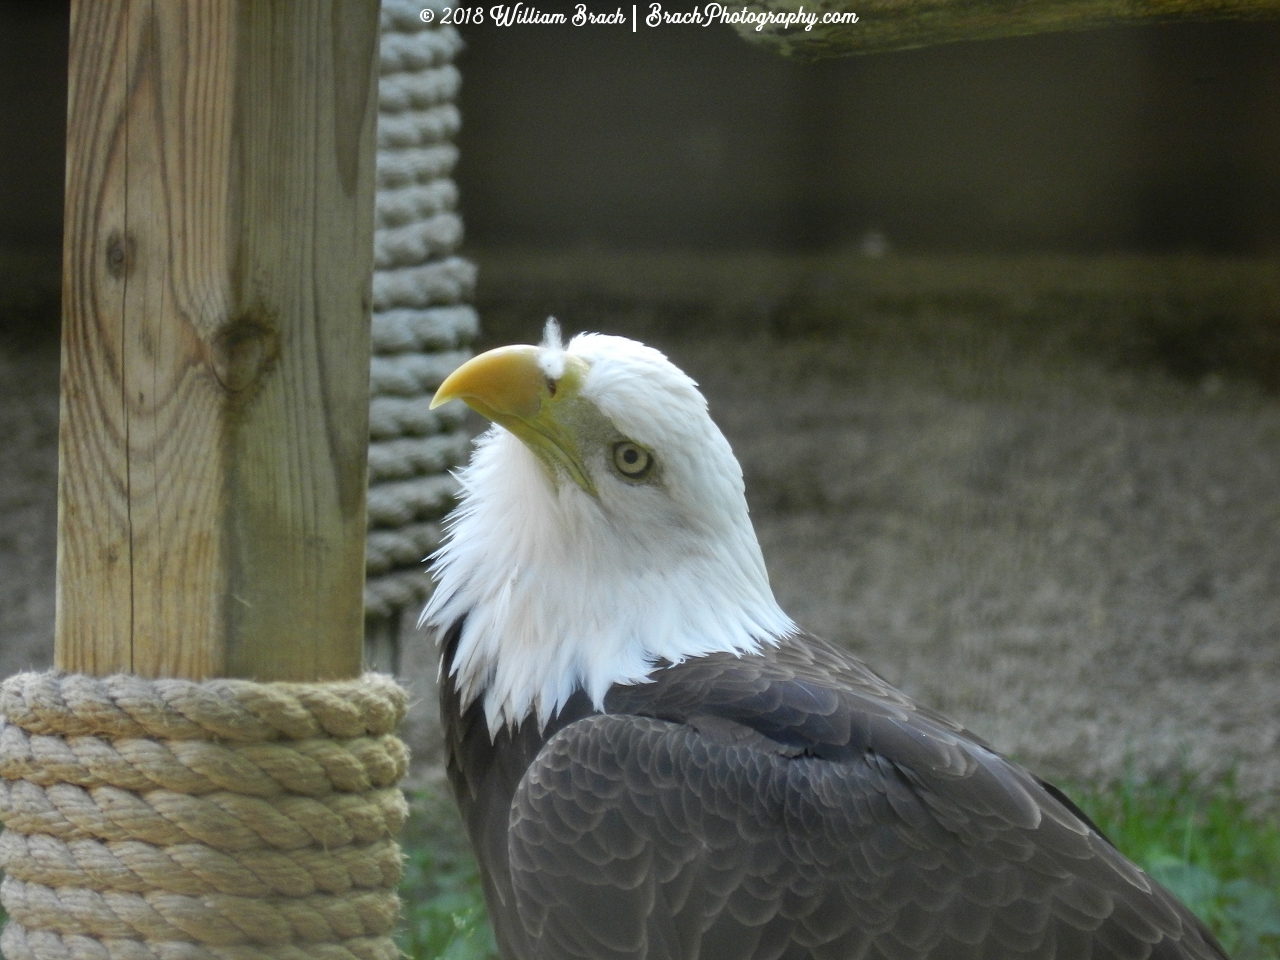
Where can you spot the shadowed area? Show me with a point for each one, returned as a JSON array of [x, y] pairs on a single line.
[[1028, 491], [1002, 432]]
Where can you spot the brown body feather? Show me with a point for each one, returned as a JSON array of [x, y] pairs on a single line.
[[781, 806]]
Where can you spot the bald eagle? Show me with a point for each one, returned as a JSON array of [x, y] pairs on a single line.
[[653, 761]]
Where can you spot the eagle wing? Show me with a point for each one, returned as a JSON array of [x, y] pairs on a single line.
[[761, 811]]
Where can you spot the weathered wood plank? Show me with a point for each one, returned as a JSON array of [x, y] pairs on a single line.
[[94, 549], [886, 25], [215, 338]]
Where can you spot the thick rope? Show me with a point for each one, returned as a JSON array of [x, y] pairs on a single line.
[[192, 821], [422, 323]]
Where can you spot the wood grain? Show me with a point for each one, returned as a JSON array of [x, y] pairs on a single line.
[[217, 264], [887, 25]]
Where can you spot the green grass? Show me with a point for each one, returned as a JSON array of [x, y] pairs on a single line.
[[1200, 842], [1203, 844], [444, 912]]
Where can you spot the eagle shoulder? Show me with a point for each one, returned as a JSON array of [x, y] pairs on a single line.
[[794, 804]]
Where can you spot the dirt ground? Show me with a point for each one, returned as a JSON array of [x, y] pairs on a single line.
[[1084, 568], [1054, 515], [28, 504]]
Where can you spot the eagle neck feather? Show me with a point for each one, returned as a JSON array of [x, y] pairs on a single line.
[[558, 596]]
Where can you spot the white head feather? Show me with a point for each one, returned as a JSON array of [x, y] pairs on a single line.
[[564, 590]]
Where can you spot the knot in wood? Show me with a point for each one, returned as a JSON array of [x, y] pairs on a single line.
[[119, 254], [243, 352]]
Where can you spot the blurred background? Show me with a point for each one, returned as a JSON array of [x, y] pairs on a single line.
[[994, 328]]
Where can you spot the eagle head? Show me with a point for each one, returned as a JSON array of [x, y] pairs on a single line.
[[602, 528]]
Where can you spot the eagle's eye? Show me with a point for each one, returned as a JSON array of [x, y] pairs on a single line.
[[632, 460]]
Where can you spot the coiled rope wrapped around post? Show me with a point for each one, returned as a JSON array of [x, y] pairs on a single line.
[[422, 321], [222, 820]]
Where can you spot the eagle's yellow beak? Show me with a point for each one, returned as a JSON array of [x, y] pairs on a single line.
[[509, 387]]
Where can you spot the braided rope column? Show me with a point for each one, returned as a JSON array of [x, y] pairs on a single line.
[[223, 820], [422, 323]]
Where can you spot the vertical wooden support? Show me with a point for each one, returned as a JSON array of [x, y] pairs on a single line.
[[215, 366]]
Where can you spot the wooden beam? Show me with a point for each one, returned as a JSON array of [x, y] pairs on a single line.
[[216, 293], [886, 25]]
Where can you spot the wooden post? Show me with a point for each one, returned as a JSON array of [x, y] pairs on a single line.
[[215, 365]]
